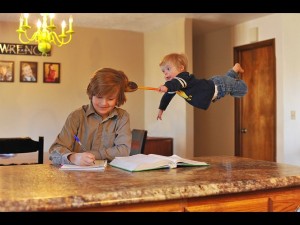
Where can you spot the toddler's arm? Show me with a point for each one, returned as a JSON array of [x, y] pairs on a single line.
[[162, 88]]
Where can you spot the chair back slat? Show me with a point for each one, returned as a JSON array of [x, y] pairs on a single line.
[[139, 138]]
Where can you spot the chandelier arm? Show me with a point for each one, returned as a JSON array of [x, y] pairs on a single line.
[[33, 38], [67, 42], [55, 38], [21, 40]]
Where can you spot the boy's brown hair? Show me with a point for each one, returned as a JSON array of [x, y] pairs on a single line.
[[108, 81], [177, 59]]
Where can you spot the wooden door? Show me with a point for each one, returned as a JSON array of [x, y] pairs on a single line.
[[255, 113]]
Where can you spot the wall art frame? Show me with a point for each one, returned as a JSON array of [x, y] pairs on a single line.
[[7, 72], [28, 72], [51, 72]]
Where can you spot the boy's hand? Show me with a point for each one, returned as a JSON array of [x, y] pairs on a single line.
[[82, 159], [159, 115], [162, 88]]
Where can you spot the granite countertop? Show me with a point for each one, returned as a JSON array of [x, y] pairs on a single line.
[[44, 187]]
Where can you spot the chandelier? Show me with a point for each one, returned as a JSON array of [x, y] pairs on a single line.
[[45, 34]]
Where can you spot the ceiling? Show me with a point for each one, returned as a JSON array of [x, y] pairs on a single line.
[[143, 22]]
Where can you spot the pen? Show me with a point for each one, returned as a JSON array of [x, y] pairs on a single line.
[[79, 142]]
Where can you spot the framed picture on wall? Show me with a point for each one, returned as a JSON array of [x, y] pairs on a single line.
[[51, 72], [28, 71], [7, 71]]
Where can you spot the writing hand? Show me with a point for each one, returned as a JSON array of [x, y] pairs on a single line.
[[82, 159]]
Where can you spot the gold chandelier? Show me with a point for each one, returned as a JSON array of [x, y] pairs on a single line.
[[45, 34]]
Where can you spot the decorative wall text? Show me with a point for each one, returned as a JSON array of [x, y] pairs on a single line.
[[20, 49]]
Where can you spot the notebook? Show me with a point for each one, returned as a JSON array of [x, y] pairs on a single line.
[[99, 165]]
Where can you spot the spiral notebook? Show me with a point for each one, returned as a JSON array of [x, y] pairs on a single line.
[[99, 165]]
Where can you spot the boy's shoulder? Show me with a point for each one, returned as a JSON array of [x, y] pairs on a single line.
[[184, 75], [121, 112]]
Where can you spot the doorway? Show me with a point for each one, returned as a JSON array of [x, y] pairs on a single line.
[[255, 113]]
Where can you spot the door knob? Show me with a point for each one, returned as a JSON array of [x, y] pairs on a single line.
[[244, 130]]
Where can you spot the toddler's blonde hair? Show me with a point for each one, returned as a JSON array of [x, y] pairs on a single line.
[[177, 59]]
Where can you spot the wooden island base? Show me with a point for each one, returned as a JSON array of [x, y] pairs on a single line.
[[281, 200]]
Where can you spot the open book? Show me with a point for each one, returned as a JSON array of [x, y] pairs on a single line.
[[142, 162], [99, 165]]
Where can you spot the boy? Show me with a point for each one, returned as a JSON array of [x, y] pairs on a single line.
[[197, 92], [102, 126]]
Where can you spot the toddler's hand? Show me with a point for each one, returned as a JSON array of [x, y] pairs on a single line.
[[162, 88], [159, 115]]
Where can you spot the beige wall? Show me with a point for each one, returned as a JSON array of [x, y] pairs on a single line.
[[175, 37], [41, 109], [34, 109], [214, 127]]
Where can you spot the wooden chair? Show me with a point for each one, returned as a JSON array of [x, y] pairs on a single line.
[[139, 138], [21, 145]]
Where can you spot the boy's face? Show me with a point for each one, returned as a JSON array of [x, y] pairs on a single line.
[[3, 70], [170, 71], [104, 104], [27, 71]]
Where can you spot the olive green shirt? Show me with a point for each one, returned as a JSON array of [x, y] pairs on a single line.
[[106, 138]]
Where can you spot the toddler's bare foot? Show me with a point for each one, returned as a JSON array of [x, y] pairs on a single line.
[[237, 68]]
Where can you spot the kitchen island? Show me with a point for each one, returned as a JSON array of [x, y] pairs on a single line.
[[228, 184]]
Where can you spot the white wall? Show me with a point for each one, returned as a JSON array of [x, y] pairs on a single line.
[[285, 28], [290, 94], [286, 31]]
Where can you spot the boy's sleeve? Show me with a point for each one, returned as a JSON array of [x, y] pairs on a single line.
[[176, 84], [165, 100]]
